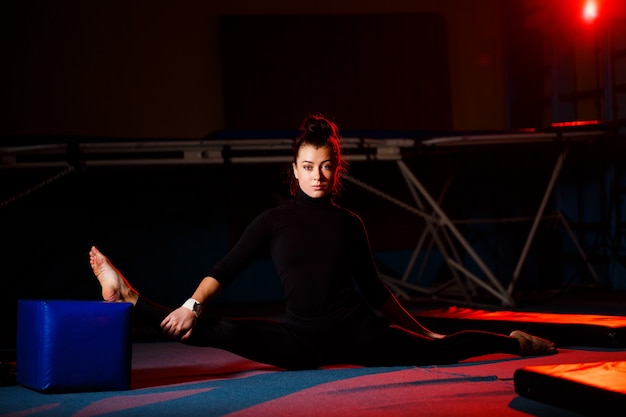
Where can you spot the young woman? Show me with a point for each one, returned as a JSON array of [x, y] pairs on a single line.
[[338, 310]]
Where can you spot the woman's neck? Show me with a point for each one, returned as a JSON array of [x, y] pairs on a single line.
[[304, 199]]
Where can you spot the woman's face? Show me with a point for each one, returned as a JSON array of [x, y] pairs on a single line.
[[315, 170]]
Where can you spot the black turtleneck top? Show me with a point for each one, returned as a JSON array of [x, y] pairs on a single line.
[[322, 256]]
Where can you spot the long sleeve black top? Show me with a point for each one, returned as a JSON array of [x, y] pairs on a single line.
[[321, 253]]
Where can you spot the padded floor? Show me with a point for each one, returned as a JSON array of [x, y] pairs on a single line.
[[562, 328], [179, 380], [594, 389]]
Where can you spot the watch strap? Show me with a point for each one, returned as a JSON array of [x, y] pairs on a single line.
[[193, 305]]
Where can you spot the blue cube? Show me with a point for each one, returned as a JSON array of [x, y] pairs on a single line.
[[73, 346]]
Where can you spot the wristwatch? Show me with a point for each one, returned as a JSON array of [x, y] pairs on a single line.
[[194, 306]]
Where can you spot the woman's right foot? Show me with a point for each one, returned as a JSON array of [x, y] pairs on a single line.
[[115, 288]]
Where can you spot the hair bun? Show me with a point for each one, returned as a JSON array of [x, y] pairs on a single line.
[[318, 125]]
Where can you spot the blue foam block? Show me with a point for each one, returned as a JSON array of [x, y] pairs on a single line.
[[73, 346]]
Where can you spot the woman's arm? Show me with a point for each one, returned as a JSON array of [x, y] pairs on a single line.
[[180, 322], [398, 315], [208, 288], [374, 289]]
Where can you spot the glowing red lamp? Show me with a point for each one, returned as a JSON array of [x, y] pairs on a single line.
[[590, 11]]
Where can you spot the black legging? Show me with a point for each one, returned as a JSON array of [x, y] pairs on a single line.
[[365, 340]]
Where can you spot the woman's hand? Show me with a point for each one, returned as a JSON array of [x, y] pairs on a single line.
[[179, 323]]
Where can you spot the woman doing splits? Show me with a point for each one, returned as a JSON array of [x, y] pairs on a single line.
[[338, 310]]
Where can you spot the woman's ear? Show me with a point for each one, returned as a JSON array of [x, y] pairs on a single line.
[[295, 171]]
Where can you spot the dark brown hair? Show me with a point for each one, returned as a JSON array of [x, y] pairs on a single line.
[[318, 131]]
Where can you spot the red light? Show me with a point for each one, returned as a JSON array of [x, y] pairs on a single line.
[[590, 11], [575, 123]]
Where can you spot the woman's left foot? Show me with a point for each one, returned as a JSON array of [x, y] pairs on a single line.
[[532, 345]]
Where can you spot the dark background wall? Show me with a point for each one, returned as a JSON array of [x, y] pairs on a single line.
[[172, 69], [371, 71], [155, 69]]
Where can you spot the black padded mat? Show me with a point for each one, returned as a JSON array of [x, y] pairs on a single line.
[[594, 389]]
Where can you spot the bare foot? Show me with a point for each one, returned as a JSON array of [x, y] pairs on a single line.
[[114, 285], [533, 345]]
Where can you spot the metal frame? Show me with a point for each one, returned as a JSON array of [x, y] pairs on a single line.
[[182, 152], [447, 237], [443, 230]]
